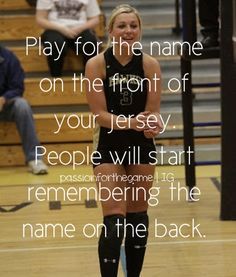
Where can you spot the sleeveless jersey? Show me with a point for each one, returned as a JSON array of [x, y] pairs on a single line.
[[126, 94]]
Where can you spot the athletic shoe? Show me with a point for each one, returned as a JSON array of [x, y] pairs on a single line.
[[38, 167]]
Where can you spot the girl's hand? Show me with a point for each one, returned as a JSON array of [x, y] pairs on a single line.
[[154, 128], [139, 123], [68, 32]]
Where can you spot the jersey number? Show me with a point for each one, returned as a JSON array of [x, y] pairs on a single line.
[[126, 98]]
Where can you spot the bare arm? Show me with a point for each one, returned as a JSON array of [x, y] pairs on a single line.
[[153, 73]]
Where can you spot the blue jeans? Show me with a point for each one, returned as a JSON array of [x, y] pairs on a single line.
[[18, 110]]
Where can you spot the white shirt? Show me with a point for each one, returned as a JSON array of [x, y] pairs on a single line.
[[69, 12]]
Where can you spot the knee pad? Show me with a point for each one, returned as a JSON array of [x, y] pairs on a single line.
[[133, 238], [111, 238]]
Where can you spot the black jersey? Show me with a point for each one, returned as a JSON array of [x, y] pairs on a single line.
[[125, 91], [124, 86]]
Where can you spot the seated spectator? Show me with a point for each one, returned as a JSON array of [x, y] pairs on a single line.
[[209, 20], [15, 108], [64, 21]]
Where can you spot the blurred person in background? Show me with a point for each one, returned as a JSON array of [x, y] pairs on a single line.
[[64, 21], [13, 107]]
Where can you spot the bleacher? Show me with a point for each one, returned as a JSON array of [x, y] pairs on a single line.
[[17, 21]]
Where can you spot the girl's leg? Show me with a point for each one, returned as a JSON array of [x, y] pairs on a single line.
[[137, 218], [114, 210]]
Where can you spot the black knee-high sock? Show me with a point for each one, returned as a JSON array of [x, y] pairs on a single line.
[[135, 246], [109, 245]]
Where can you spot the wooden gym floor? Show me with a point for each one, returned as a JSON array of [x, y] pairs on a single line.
[[208, 249]]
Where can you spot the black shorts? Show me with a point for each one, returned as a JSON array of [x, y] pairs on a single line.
[[132, 155]]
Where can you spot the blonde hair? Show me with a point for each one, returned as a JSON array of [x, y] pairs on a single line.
[[123, 8]]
